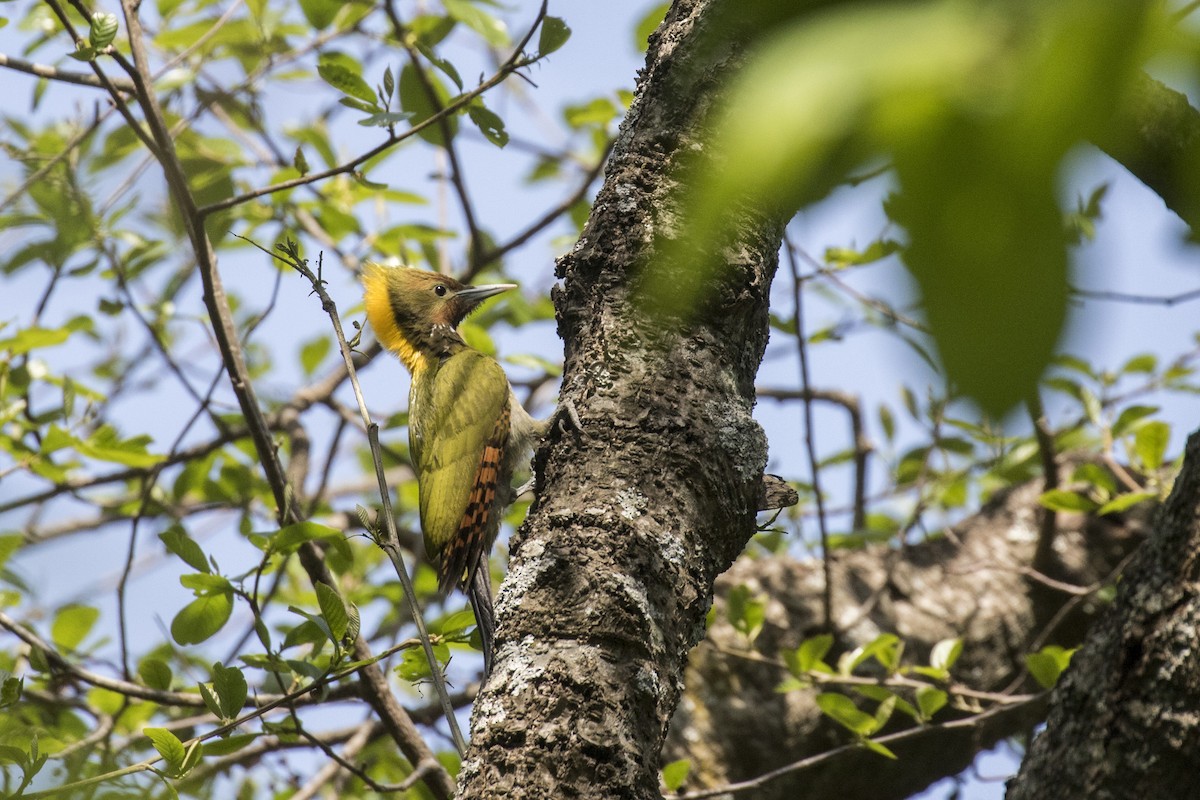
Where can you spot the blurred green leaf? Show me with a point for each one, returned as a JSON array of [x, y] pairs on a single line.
[[72, 624], [320, 13], [168, 746], [1048, 664], [1150, 444], [415, 100], [176, 540], [553, 35], [488, 122], [155, 673], [333, 610], [491, 28], [675, 773], [230, 686], [345, 74], [649, 23], [201, 619], [745, 611], [103, 30], [1125, 502], [842, 710], [930, 700], [1066, 500]]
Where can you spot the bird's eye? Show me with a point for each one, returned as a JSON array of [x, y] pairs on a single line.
[[439, 290]]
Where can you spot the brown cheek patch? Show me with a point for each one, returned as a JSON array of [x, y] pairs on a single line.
[[463, 552]]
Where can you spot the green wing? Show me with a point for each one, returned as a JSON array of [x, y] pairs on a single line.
[[452, 417]]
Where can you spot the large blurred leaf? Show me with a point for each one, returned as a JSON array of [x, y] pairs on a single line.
[[975, 106]]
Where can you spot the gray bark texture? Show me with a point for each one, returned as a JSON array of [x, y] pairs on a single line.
[[974, 583], [611, 576], [1124, 721]]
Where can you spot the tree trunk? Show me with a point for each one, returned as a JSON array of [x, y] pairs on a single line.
[[1123, 721], [612, 574]]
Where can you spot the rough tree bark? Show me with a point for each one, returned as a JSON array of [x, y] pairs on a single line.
[[612, 574], [1124, 720]]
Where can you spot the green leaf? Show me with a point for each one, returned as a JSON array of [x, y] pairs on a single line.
[[447, 68], [206, 583], [1145, 363], [945, 653], [210, 700], [344, 74], [413, 667], [489, 27], [1150, 444], [930, 700], [876, 747], [745, 611], [675, 773], [230, 685], [414, 99], [307, 632], [811, 653], [1066, 500], [1125, 502], [83, 53], [168, 746], [103, 30], [842, 710], [288, 539], [320, 13], [176, 540], [600, 111], [313, 352], [72, 624], [10, 691], [554, 34], [1129, 418], [1097, 476], [1048, 664], [488, 122], [333, 610], [228, 745], [33, 339], [103, 445], [389, 83], [201, 618], [155, 673], [648, 24], [884, 648]]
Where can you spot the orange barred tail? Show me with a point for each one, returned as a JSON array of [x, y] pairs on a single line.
[[469, 547]]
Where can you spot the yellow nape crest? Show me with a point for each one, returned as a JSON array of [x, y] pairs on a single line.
[[381, 285]]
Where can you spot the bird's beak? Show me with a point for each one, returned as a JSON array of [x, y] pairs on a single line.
[[477, 294]]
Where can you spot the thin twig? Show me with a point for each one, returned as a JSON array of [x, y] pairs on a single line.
[[391, 544], [1043, 557], [55, 74], [810, 438], [1142, 299], [805, 764], [862, 445]]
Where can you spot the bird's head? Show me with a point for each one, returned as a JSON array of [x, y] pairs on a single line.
[[415, 313]]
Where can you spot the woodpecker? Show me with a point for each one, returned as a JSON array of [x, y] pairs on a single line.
[[467, 432]]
